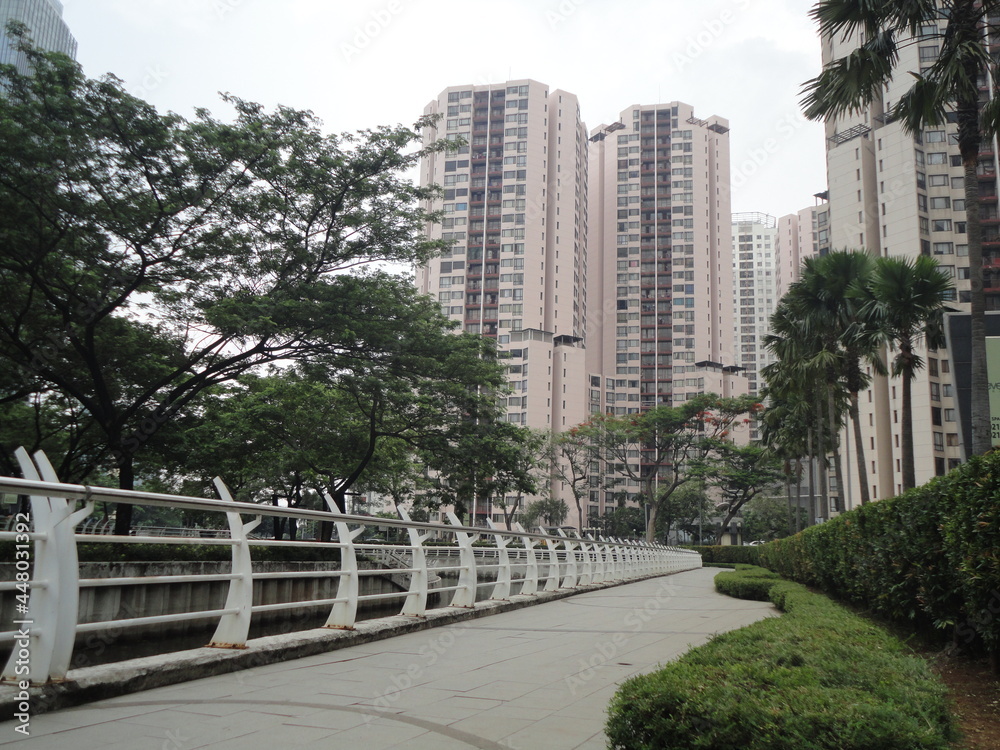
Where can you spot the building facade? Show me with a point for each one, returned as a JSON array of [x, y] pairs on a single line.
[[660, 291], [755, 293], [45, 27], [899, 194], [514, 203]]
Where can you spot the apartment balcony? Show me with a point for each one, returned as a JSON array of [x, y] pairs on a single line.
[[991, 283]]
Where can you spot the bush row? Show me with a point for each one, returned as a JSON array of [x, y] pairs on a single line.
[[817, 678], [727, 554], [930, 557]]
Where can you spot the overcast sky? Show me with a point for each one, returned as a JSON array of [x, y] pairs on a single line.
[[363, 63]]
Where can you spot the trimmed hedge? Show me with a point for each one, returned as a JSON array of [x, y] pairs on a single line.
[[727, 554], [929, 557], [817, 678]]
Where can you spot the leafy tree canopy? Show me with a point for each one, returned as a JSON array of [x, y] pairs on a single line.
[[147, 257]]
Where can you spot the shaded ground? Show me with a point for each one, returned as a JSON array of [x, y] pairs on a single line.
[[975, 699]]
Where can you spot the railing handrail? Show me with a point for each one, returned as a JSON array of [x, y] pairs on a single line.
[[95, 493], [53, 589]]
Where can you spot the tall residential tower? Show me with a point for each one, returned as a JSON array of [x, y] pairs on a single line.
[[45, 27], [515, 208]]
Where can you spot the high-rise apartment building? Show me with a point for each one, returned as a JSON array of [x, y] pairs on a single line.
[[45, 27], [661, 270], [515, 208], [755, 294], [896, 194], [660, 291]]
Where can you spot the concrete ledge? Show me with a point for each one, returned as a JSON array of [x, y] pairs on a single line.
[[121, 678]]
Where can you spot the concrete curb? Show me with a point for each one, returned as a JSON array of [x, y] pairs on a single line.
[[111, 680]]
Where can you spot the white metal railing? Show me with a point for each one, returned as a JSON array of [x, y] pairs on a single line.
[[46, 582]]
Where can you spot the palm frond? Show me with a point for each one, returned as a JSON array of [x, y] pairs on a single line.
[[848, 17], [925, 104], [849, 84]]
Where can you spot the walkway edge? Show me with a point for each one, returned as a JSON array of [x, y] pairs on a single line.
[[122, 678]]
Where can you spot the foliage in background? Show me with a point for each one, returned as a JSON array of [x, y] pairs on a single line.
[[148, 258], [665, 447]]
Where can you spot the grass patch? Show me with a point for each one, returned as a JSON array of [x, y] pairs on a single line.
[[817, 678]]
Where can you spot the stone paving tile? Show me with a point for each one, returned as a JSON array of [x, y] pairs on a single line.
[[539, 677]]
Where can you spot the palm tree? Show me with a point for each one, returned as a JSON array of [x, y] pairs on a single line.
[[906, 300], [826, 301], [800, 374], [786, 425], [851, 83]]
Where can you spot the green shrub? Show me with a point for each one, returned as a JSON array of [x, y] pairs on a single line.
[[747, 583], [728, 554], [928, 557], [817, 678]]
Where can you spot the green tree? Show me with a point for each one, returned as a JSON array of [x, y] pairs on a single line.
[[665, 447], [623, 522], [854, 82], [741, 473], [685, 510], [484, 460], [548, 511], [570, 456], [148, 258], [906, 301], [766, 518], [826, 305], [802, 372]]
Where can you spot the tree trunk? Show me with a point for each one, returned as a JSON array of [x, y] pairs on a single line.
[[651, 524], [906, 426], [798, 495], [859, 449], [725, 524], [812, 479], [822, 465], [838, 466], [126, 481], [969, 137], [788, 493]]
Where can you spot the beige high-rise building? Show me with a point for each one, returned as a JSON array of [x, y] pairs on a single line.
[[902, 195], [660, 291], [755, 293], [515, 207]]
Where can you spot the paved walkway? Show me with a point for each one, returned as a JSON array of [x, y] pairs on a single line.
[[539, 677]]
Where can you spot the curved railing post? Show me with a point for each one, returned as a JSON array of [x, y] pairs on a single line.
[[465, 593], [501, 590], [570, 579], [233, 629], [553, 577], [600, 569], [587, 569], [54, 593], [415, 604], [615, 552], [529, 586], [631, 558], [344, 614]]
